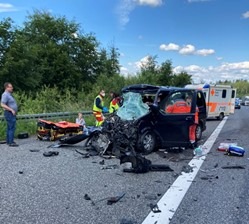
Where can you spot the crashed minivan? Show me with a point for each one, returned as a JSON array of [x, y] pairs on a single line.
[[146, 104]]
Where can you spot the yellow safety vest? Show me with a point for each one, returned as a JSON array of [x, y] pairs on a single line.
[[95, 108], [113, 106]]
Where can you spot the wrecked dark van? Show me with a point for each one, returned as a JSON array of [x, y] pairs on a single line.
[[146, 104]]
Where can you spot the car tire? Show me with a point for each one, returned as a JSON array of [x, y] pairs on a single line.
[[198, 132], [220, 117], [147, 142]]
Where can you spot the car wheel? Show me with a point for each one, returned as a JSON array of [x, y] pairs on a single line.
[[198, 132], [220, 117], [147, 142]]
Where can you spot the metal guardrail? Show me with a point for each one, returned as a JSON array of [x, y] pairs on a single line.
[[48, 115]]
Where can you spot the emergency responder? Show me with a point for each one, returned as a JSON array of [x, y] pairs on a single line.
[[192, 128], [114, 104], [99, 108], [179, 106]]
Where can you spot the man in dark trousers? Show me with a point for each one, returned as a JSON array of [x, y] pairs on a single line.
[[8, 103]]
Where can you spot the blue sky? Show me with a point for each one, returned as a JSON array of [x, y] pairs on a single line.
[[209, 39]]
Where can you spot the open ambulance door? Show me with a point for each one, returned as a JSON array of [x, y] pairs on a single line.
[[232, 102]]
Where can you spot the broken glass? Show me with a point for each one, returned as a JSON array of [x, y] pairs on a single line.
[[133, 107]]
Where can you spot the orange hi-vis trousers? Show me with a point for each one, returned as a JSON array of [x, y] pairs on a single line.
[[99, 118]]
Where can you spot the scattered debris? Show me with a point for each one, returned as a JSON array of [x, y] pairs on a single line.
[[51, 153], [3, 142], [88, 154], [110, 167], [34, 150], [115, 199], [233, 167], [187, 169], [23, 135], [198, 151], [102, 162], [20, 172], [86, 197], [209, 177], [231, 149], [154, 208], [235, 151], [224, 146], [142, 165]]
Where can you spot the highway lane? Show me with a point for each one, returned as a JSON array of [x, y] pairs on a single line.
[[37, 189], [220, 195]]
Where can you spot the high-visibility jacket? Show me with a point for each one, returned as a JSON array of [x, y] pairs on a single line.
[[113, 105], [95, 108]]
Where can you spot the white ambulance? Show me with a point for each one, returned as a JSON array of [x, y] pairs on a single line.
[[220, 99]]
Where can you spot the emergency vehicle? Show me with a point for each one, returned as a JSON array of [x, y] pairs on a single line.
[[245, 101], [220, 99]]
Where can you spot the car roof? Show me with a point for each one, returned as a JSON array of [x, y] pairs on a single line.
[[146, 88]]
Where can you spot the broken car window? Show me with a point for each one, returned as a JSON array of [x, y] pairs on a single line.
[[133, 107]]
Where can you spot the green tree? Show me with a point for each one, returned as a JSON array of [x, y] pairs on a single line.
[[181, 79], [50, 51], [165, 75]]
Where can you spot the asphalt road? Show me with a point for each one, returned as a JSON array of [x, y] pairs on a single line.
[[38, 189], [220, 195]]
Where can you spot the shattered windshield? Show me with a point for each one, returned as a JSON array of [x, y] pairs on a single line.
[[133, 107]]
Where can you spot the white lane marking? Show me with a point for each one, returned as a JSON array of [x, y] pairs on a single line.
[[170, 201]]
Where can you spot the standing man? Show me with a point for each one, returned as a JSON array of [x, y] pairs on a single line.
[[99, 108], [8, 103]]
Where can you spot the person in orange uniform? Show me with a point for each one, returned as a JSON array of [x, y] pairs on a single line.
[[192, 128], [99, 108], [179, 107]]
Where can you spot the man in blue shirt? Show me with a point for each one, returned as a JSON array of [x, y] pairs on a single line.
[[8, 103]]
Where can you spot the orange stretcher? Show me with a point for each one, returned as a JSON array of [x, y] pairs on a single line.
[[49, 130]]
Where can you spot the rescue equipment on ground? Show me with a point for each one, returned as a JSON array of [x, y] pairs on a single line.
[[49, 130], [231, 149]]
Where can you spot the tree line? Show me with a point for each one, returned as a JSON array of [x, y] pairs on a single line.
[[49, 58]]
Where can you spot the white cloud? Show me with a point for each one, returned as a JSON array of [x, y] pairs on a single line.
[[246, 15], [234, 66], [150, 2], [211, 74], [142, 62], [127, 6], [169, 47], [6, 7], [205, 52], [187, 49], [199, 74]]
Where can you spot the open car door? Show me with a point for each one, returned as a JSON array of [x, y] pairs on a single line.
[[173, 125]]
